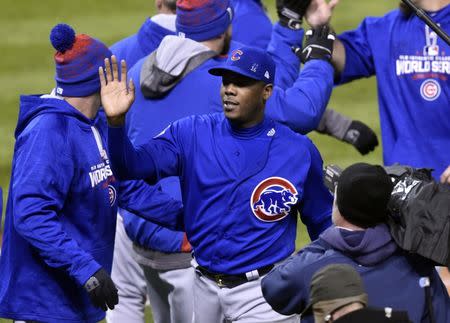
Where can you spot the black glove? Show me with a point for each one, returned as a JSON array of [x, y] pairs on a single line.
[[318, 44], [291, 12], [361, 137], [101, 290]]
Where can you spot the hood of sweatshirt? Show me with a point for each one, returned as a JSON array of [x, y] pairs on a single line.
[[32, 106], [367, 247], [170, 63]]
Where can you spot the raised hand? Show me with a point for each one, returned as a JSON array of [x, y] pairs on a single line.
[[445, 177], [116, 96], [319, 12]]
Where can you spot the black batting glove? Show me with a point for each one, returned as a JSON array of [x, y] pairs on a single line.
[[361, 137], [101, 290], [318, 44], [291, 12]]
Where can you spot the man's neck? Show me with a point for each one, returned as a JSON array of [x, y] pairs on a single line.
[[433, 5], [88, 106]]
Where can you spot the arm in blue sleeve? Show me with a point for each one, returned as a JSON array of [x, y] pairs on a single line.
[[151, 203], [252, 29], [358, 54], [280, 48], [152, 235], [286, 287], [42, 175], [317, 201], [301, 106], [156, 159], [441, 299]]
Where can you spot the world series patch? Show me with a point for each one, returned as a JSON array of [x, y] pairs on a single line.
[[430, 90], [273, 198]]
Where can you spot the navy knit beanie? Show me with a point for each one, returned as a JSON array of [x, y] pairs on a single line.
[[77, 60], [363, 193], [201, 20]]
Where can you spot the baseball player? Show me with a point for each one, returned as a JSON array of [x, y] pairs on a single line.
[[60, 220], [243, 177], [157, 266], [247, 15], [412, 67]]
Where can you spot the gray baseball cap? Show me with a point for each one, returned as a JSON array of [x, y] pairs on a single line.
[[340, 282]]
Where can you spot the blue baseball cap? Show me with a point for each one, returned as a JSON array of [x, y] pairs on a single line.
[[248, 61]]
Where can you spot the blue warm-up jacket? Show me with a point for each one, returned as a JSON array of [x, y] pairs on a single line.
[[61, 214], [412, 66]]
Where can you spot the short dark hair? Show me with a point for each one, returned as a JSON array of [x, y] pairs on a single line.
[[171, 4]]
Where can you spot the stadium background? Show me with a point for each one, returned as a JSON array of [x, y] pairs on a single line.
[[27, 66]]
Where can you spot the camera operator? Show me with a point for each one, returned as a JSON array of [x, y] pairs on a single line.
[[361, 238]]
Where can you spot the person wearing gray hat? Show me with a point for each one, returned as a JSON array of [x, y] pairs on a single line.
[[360, 238], [337, 294]]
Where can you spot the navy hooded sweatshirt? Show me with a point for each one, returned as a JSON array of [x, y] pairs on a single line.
[[389, 278]]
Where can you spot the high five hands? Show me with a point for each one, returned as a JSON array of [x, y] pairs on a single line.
[[116, 95]]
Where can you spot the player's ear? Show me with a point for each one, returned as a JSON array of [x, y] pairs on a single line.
[[267, 91]]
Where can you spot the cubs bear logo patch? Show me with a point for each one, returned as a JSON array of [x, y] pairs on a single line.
[[273, 198]]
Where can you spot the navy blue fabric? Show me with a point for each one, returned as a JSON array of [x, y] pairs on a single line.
[[389, 278], [413, 85], [60, 217], [226, 233]]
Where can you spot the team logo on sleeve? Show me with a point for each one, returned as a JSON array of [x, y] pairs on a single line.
[[273, 198], [112, 195], [430, 90]]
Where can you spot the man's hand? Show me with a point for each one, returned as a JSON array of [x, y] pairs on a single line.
[[116, 96], [101, 290], [445, 177], [319, 12], [291, 12], [318, 44], [361, 137]]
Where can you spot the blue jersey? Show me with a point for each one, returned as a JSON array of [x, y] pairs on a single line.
[[139, 45], [241, 188], [251, 25], [61, 214], [412, 66]]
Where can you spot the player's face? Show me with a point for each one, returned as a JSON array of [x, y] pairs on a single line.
[[244, 99]]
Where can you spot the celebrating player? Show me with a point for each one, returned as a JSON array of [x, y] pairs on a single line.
[[243, 177]]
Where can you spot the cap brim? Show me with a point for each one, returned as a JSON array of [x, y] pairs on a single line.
[[220, 71]]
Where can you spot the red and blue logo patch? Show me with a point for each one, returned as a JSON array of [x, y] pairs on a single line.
[[236, 55], [273, 198], [430, 90]]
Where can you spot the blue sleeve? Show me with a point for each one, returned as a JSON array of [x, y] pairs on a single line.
[[252, 29], [280, 48], [286, 287], [358, 54], [441, 300], [301, 106], [152, 235], [42, 175], [151, 203], [317, 201], [158, 158]]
